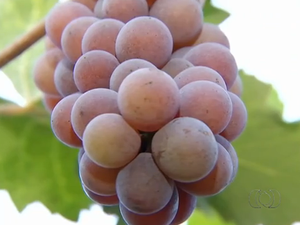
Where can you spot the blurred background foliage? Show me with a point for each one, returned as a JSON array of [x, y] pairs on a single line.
[[35, 166]]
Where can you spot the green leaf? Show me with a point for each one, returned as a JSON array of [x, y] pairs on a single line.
[[18, 16], [212, 14], [35, 166], [269, 155], [213, 218]]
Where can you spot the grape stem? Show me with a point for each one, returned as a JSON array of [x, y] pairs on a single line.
[[22, 43]]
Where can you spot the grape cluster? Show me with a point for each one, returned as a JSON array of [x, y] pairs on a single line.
[[150, 94]]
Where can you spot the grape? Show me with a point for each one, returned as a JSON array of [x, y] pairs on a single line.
[[63, 78], [145, 38], [93, 70], [216, 181], [50, 101], [150, 2], [181, 52], [185, 149], [142, 188], [234, 158], [102, 35], [183, 18], [80, 154], [199, 73], [217, 57], [162, 217], [237, 87], [124, 11], [72, 36], [208, 102], [238, 120], [187, 205], [59, 17], [98, 9], [43, 71], [100, 199], [175, 66], [61, 121], [124, 69], [49, 44], [212, 33], [91, 104], [110, 142], [99, 180], [148, 99], [88, 3]]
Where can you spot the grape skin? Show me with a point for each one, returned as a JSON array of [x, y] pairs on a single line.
[[140, 107], [125, 11], [110, 142], [49, 44], [212, 33], [145, 38], [216, 181], [237, 87], [60, 16], [102, 35], [43, 71], [50, 101], [93, 70], [238, 120], [175, 66], [91, 104], [183, 18], [98, 9], [230, 149], [126, 68], [185, 149], [181, 52], [208, 102], [162, 217], [198, 73], [88, 3], [63, 78], [142, 188], [99, 180], [217, 57], [72, 36], [61, 121], [111, 200]]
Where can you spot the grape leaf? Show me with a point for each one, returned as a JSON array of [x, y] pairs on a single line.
[[269, 158], [34, 166], [18, 16]]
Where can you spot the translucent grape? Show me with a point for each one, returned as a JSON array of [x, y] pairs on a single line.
[[142, 188], [185, 149], [102, 35], [102, 200], [183, 18], [187, 205], [181, 52], [208, 102], [99, 180], [61, 121], [98, 9], [162, 217], [60, 16], [216, 181], [81, 152], [199, 73], [49, 44], [91, 104], [124, 69], [217, 57], [63, 78], [238, 120], [237, 87], [110, 142], [50, 101], [88, 3], [230, 149], [212, 33], [175, 66], [43, 71], [150, 2], [124, 11], [93, 70], [72, 36], [145, 38], [148, 99]]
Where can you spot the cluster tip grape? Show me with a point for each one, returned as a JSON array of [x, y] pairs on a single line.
[[150, 95]]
